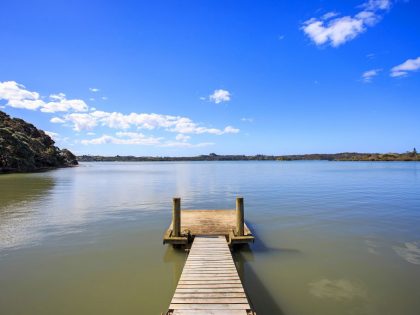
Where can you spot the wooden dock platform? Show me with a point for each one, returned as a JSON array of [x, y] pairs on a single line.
[[209, 283], [190, 223]]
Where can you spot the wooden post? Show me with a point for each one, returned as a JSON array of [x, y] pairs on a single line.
[[176, 217], [239, 216]]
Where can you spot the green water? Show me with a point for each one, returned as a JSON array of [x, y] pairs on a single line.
[[332, 238]]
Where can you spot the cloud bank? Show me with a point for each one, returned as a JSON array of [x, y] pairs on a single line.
[[76, 114], [152, 121]]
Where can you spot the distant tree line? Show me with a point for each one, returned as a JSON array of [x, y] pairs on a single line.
[[347, 156]]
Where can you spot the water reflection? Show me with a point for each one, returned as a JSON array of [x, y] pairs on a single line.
[[20, 196], [261, 299], [18, 188], [338, 289], [176, 257], [409, 252], [260, 247]]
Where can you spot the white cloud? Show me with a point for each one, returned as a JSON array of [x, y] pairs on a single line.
[[104, 98], [405, 67], [181, 137], [57, 120], [91, 133], [186, 125], [18, 96], [245, 119], [219, 96], [94, 90], [230, 129], [333, 30], [81, 121], [59, 103], [367, 76]]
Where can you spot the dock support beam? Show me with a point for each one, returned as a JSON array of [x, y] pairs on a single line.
[[239, 216], [176, 217]]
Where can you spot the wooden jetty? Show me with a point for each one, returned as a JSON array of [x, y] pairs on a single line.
[[209, 283]]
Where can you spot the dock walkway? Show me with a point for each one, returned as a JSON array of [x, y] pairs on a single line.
[[209, 283]]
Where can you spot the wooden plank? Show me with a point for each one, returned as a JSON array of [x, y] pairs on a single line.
[[209, 290], [226, 256], [234, 281], [209, 263], [223, 307], [209, 260], [199, 269], [208, 254], [209, 295], [201, 276], [210, 286], [210, 273], [209, 269], [216, 247], [213, 267], [229, 268], [209, 300], [222, 279], [210, 312], [203, 272]]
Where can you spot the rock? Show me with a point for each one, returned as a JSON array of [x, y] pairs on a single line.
[[69, 158], [24, 148]]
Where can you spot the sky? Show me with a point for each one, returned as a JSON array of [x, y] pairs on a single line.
[[183, 78]]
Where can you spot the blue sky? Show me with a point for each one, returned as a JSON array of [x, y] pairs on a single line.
[[231, 77]]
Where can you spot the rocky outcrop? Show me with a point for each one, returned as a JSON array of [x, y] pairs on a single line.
[[24, 148]]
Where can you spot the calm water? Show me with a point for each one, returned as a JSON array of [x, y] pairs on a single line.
[[332, 237]]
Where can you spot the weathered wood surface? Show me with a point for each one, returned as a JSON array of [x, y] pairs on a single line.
[[240, 216], [209, 283], [208, 222]]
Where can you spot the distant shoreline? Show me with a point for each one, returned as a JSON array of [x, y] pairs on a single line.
[[347, 156]]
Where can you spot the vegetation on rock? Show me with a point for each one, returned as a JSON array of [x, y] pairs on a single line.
[[24, 148]]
